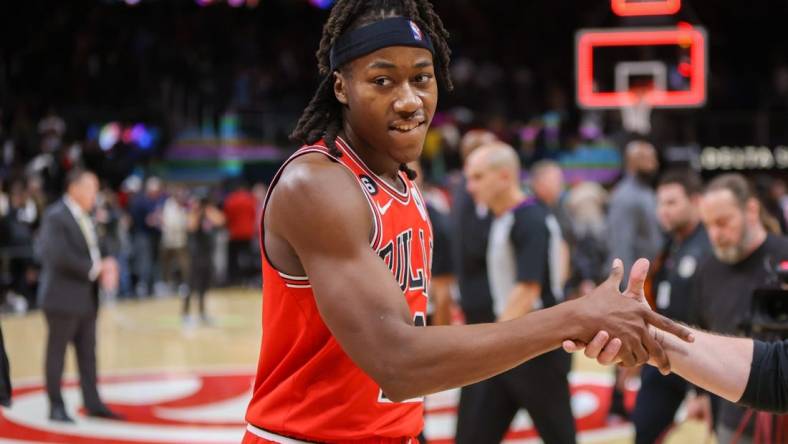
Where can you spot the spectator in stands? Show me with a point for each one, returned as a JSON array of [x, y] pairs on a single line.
[[585, 205], [240, 209], [18, 226], [547, 184], [204, 219], [259, 190], [146, 232], [51, 129], [110, 225], [174, 238]]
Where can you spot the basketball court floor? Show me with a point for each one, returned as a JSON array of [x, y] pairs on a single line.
[[191, 385]]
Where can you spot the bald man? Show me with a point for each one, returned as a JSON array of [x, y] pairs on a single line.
[[470, 225], [632, 218], [519, 267], [71, 265]]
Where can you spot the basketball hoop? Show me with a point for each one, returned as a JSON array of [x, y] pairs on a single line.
[[636, 112]]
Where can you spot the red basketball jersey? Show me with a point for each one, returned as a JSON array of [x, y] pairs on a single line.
[[307, 387]]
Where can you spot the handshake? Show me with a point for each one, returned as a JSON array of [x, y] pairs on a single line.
[[621, 328]]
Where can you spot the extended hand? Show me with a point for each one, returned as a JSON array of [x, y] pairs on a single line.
[[627, 321]]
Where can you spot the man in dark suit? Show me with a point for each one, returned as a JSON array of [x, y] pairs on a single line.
[[5, 375], [68, 292]]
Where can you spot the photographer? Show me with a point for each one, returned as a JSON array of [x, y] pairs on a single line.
[[744, 259]]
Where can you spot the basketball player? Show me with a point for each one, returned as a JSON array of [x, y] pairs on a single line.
[[345, 355]]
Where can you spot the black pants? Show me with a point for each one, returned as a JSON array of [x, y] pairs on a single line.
[[200, 282], [81, 331], [469, 395], [657, 401], [239, 257], [19, 268], [541, 387]]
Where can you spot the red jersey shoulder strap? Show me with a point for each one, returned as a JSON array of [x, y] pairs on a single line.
[[320, 147]]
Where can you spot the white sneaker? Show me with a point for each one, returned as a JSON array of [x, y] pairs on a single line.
[[189, 321]]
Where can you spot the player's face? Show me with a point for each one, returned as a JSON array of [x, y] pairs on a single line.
[[725, 223], [674, 207], [390, 97]]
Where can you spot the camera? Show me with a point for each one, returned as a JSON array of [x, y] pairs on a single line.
[[769, 320]]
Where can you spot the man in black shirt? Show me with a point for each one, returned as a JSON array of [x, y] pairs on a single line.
[[678, 197], [744, 259], [519, 265]]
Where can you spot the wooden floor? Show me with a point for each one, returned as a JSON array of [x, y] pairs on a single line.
[[179, 384]]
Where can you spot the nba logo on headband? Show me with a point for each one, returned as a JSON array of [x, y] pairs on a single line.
[[416, 31]]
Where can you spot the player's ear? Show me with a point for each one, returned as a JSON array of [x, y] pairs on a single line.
[[340, 88]]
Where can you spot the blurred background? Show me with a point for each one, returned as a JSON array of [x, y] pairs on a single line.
[[180, 105]]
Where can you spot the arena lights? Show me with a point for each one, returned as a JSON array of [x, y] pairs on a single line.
[[109, 135], [136, 134], [628, 8], [232, 3], [692, 39]]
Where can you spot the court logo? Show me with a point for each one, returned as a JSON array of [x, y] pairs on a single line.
[[158, 407], [209, 407]]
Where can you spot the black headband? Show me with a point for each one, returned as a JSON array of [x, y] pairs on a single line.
[[395, 31]]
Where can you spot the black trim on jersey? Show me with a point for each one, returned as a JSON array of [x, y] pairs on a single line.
[[395, 193]]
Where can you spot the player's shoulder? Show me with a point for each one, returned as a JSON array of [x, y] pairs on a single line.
[[316, 173], [313, 185]]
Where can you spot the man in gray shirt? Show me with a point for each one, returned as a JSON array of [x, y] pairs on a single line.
[[634, 230]]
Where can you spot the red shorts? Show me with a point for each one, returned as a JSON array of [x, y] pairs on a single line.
[[267, 437]]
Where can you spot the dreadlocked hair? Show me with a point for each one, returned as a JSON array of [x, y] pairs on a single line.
[[322, 117]]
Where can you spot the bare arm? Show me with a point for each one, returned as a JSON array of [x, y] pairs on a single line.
[[719, 364], [319, 210], [521, 300]]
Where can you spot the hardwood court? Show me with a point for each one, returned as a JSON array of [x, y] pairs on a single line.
[[184, 385]]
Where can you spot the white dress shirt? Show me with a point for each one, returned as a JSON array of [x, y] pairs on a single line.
[[89, 232]]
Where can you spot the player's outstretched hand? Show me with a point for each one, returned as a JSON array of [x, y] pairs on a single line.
[[622, 327]]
